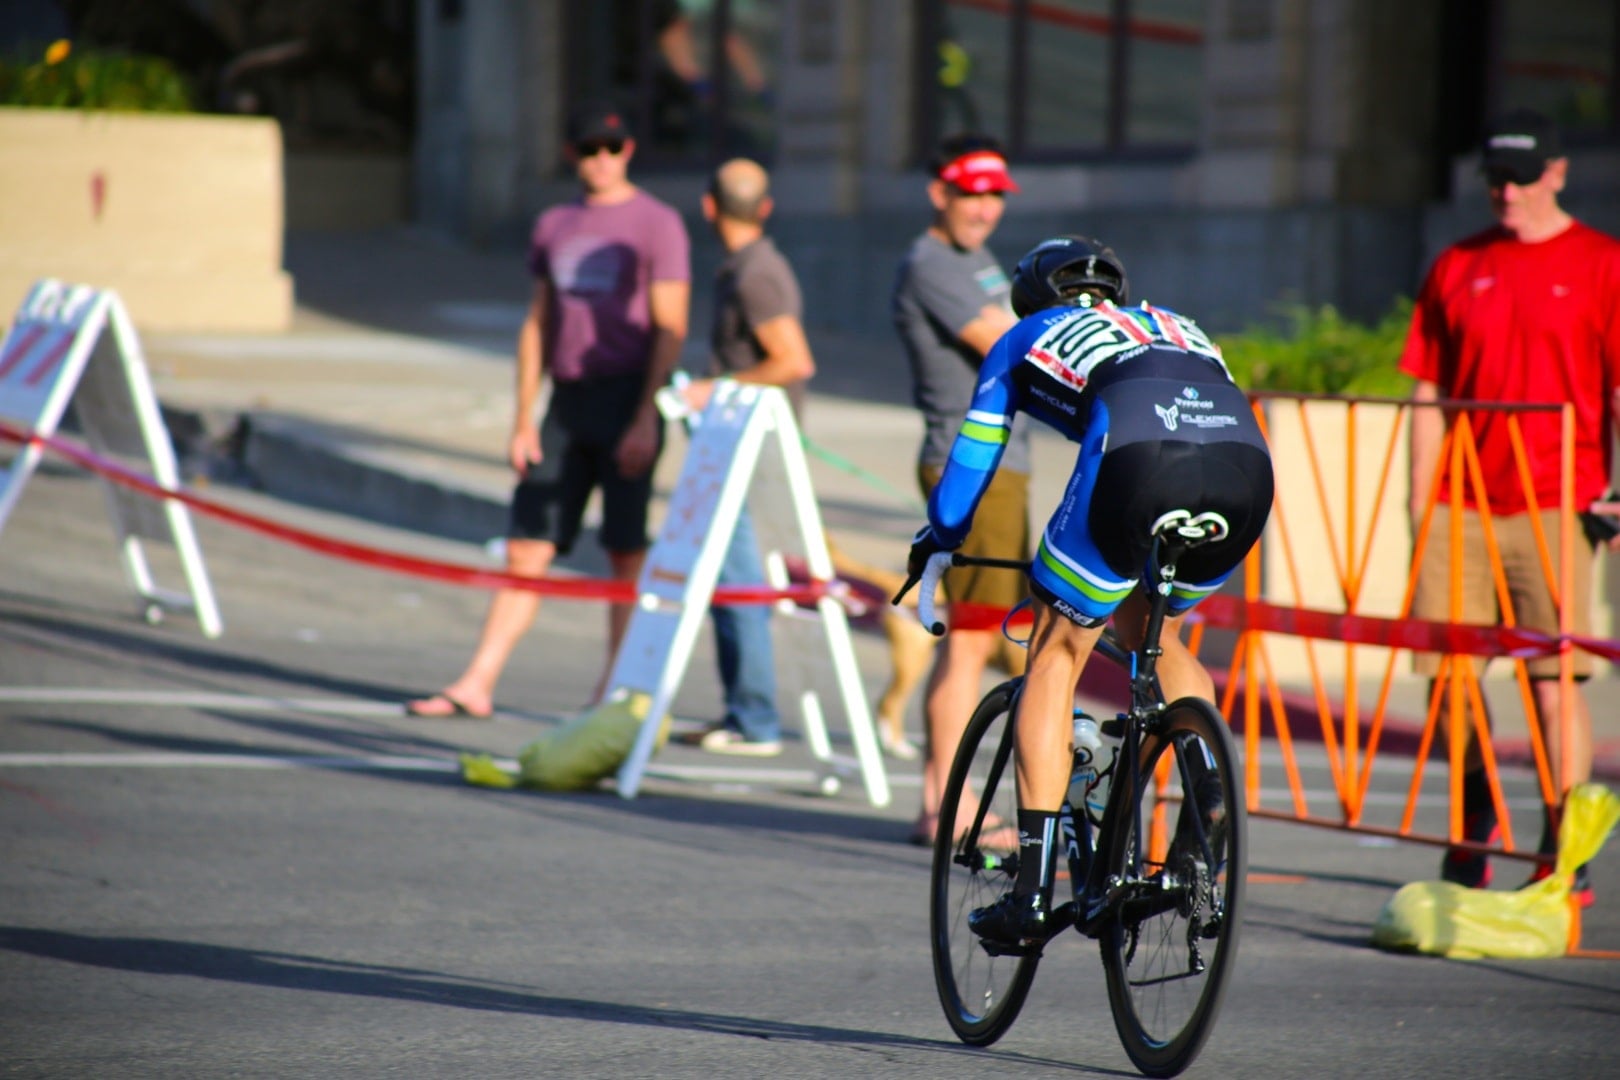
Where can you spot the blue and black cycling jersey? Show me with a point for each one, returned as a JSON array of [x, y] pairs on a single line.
[[1143, 387]]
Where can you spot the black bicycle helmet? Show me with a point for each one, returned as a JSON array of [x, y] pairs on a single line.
[[1058, 270]]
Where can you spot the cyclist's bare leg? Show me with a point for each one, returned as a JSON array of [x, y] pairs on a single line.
[[1058, 651], [1181, 674], [1043, 739], [953, 691]]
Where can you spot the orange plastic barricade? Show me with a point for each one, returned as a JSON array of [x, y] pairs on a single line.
[[1328, 595]]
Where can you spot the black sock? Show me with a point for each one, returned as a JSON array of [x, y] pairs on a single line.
[[1549, 831], [1477, 793], [1036, 832]]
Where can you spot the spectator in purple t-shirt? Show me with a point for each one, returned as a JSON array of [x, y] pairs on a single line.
[[612, 284]]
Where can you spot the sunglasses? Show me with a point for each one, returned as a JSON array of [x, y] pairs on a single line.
[[1502, 177], [591, 147]]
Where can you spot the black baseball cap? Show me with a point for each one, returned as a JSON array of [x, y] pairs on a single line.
[[598, 121], [1518, 147]]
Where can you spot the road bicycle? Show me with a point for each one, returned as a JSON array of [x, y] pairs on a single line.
[[1156, 880]]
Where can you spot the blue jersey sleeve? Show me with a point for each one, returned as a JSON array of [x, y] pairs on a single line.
[[979, 444]]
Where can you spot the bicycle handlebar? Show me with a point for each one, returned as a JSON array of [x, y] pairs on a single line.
[[931, 575], [934, 570]]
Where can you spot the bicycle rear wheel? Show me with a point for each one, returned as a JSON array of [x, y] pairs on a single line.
[[1177, 849], [981, 992]]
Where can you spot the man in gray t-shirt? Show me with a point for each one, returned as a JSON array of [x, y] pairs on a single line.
[[758, 337], [950, 305], [942, 290], [756, 288]]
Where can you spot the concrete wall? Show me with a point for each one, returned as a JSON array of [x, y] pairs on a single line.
[[1308, 182], [183, 215], [489, 110], [1226, 268], [338, 190]]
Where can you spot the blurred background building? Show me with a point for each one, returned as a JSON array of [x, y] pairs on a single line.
[[1239, 153]]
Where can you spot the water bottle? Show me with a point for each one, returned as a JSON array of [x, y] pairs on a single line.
[[1087, 787], [1087, 743]]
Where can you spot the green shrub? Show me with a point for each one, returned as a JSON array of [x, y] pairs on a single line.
[[1320, 352], [120, 82]]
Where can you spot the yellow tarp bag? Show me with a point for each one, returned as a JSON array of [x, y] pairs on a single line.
[[1443, 919], [578, 755]]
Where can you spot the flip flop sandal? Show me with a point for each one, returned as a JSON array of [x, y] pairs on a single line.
[[423, 709]]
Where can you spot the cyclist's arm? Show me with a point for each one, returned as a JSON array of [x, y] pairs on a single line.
[[977, 451]]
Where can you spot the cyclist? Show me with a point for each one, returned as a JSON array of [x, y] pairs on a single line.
[[1161, 428]]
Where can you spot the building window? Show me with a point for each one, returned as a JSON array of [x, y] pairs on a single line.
[[1560, 59], [696, 76], [1064, 79]]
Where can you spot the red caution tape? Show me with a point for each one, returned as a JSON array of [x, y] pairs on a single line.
[[1235, 613], [611, 590]]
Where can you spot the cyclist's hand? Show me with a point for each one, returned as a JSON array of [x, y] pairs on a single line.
[[923, 547]]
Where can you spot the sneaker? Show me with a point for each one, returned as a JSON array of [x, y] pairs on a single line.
[[1470, 869], [1013, 920], [897, 746], [724, 740], [1580, 890]]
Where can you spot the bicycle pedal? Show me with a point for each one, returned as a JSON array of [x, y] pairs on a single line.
[[1023, 948]]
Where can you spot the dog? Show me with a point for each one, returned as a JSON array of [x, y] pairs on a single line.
[[911, 646]]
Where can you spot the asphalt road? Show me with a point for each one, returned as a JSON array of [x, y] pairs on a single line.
[[236, 858]]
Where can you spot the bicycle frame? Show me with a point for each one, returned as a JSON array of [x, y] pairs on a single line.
[[1095, 900], [1157, 880]]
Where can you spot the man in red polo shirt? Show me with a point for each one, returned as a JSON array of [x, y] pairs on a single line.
[[1527, 311]]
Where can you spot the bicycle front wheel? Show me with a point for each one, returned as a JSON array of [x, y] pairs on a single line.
[[975, 863], [1176, 850]]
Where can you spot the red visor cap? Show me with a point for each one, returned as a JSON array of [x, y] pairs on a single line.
[[979, 172]]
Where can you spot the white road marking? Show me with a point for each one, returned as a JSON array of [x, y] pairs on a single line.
[[139, 760], [193, 699], [1319, 797], [1272, 798], [383, 763]]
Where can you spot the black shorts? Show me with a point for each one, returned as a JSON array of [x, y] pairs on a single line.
[[583, 425], [1138, 482]]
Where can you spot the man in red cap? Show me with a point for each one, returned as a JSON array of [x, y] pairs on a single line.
[[951, 304]]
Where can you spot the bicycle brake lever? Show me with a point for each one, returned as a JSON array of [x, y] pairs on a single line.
[[911, 581]]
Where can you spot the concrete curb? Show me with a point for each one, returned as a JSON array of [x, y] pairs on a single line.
[[302, 463]]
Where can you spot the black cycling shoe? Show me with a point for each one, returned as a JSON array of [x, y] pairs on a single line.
[[1014, 920], [1468, 868]]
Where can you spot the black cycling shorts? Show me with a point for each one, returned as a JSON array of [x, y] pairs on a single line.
[[1152, 446]]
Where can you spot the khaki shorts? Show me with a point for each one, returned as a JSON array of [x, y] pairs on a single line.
[[1533, 607], [1000, 531]]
